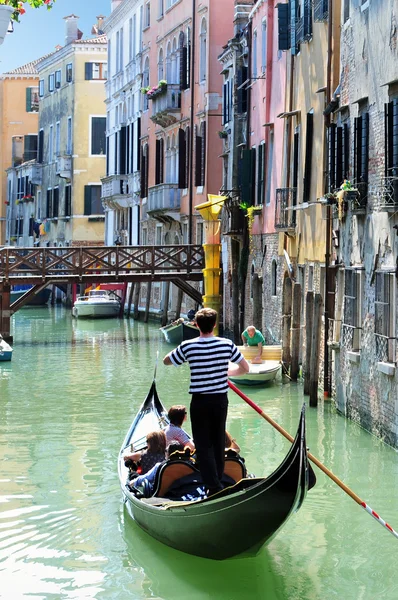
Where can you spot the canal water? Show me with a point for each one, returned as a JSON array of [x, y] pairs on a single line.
[[66, 401]]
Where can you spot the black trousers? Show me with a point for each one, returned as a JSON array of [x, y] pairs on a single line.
[[208, 417]]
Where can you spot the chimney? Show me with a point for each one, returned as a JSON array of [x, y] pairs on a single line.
[[115, 4], [98, 28], [71, 29]]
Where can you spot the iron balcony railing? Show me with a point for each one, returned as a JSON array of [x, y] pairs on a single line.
[[385, 193], [321, 10], [285, 216], [165, 196]]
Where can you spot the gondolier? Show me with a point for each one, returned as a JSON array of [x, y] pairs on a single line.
[[208, 357]]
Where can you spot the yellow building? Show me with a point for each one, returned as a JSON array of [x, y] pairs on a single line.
[[71, 141], [19, 106]]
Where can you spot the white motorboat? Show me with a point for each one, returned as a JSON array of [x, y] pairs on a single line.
[[5, 350], [263, 372], [97, 304]]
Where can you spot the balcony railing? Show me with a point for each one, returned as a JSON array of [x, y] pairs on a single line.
[[385, 193], [166, 108], [285, 217], [114, 185], [321, 10], [162, 197], [35, 173]]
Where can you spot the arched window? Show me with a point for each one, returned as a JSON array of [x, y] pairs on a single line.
[[160, 65], [263, 46], [168, 63], [145, 83], [203, 51], [274, 275], [175, 62]]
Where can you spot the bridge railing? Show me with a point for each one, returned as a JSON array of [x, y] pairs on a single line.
[[83, 262]]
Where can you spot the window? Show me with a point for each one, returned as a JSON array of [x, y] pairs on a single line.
[[200, 156], [57, 79], [242, 89], [68, 201], [227, 102], [199, 233], [55, 202], [203, 51], [160, 65], [147, 15], [159, 161], [69, 136], [49, 204], [185, 233], [274, 277], [352, 310], [361, 155], [41, 88], [183, 59], [308, 157], [158, 235], [145, 83], [385, 302], [175, 70], [130, 40], [254, 56], [92, 200], [96, 71], [40, 156], [339, 155], [168, 62], [30, 147], [98, 137], [270, 165], [144, 236], [57, 138], [161, 9], [51, 144], [121, 58], [144, 171], [170, 3], [263, 46], [32, 99], [51, 82], [260, 173], [391, 140], [69, 73], [346, 10]]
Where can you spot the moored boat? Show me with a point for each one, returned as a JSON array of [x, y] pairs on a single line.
[[179, 332], [97, 304], [240, 519], [5, 350], [39, 299], [259, 373]]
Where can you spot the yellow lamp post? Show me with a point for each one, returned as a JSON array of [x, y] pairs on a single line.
[[210, 211]]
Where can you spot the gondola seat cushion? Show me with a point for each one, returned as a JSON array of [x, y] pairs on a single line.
[[169, 473]]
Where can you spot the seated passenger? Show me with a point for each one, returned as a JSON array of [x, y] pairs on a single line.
[[230, 443], [177, 415], [253, 337], [155, 452], [151, 474]]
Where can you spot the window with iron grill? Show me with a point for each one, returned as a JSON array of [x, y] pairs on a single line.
[[384, 317]]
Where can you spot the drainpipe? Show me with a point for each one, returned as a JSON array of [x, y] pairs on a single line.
[[192, 114], [326, 382]]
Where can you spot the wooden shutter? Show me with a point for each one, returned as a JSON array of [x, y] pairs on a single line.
[[87, 199], [224, 104], [161, 169], [388, 139], [346, 151], [181, 159], [294, 45], [364, 166], [198, 158], [246, 176], [307, 19], [283, 27], [203, 159], [157, 161], [127, 159], [116, 153], [332, 156], [146, 170], [107, 156], [296, 141], [183, 61], [41, 146], [68, 203], [88, 70], [339, 157], [55, 202], [308, 157], [28, 99], [138, 147], [132, 147], [260, 173], [188, 156], [122, 150]]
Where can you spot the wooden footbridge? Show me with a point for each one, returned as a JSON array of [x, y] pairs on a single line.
[[40, 267]]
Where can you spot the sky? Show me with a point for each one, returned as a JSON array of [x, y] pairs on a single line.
[[40, 30]]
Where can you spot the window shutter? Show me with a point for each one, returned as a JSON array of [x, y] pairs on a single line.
[[87, 199], [260, 164], [188, 45], [132, 148], [122, 150], [364, 167], [293, 33], [146, 170], [253, 177], [308, 157], [183, 61], [246, 177], [181, 159], [307, 19], [283, 27], [203, 159], [339, 157], [107, 156], [332, 156], [388, 138], [138, 147], [296, 141], [346, 151], [394, 153], [198, 158], [157, 161], [68, 204], [161, 170], [357, 147], [56, 202], [188, 157], [41, 145], [28, 99], [127, 146], [116, 153], [88, 71]]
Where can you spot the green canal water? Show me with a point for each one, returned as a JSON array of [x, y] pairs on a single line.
[[66, 401]]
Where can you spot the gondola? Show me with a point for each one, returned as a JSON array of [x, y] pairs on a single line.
[[179, 332], [239, 519]]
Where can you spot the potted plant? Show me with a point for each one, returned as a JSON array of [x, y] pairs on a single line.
[[157, 90], [223, 134]]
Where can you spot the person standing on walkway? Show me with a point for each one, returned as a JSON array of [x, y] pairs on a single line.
[[209, 357], [253, 337]]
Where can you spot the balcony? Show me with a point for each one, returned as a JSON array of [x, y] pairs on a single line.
[[35, 173], [64, 167], [164, 197], [385, 193], [285, 217], [166, 107], [115, 188], [232, 219]]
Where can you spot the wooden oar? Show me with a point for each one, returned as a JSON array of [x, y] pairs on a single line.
[[313, 459]]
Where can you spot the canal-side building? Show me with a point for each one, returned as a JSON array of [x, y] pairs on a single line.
[[71, 148], [121, 184], [254, 96], [19, 107], [181, 105], [366, 224]]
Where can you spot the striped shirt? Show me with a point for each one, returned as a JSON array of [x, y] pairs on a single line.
[[177, 434], [208, 359]]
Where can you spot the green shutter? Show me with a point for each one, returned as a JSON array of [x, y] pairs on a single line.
[[89, 70], [87, 199], [28, 99], [283, 27]]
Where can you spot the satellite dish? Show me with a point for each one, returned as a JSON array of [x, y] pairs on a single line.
[[288, 263]]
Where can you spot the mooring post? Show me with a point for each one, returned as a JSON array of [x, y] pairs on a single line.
[[309, 319], [296, 329], [316, 342], [5, 312], [286, 322], [136, 314], [178, 303], [148, 300], [130, 300], [165, 303]]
